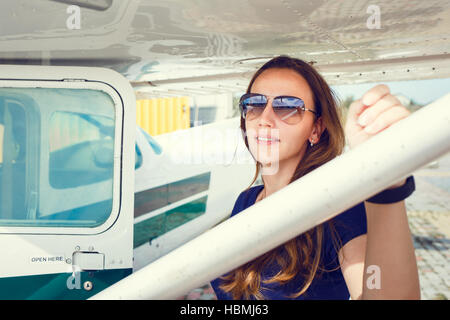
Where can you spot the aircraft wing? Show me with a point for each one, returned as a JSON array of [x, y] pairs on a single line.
[[178, 47]]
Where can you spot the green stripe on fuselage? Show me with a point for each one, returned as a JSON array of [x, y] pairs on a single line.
[[161, 196], [152, 199], [158, 225], [61, 286]]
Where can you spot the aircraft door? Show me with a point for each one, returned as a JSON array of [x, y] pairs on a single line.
[[66, 181]]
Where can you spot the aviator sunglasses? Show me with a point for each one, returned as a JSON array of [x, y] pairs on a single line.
[[287, 108]]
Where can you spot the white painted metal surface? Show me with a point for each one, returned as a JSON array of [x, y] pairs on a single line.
[[319, 196]]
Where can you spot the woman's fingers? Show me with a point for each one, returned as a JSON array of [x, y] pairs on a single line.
[[375, 94], [355, 109], [377, 110], [360, 108], [387, 118], [370, 114]]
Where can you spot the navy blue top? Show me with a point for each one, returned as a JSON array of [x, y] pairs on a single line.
[[328, 285]]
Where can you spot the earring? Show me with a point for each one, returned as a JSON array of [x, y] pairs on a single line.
[[311, 143]]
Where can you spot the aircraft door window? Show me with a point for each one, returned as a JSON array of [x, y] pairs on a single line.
[[56, 157]]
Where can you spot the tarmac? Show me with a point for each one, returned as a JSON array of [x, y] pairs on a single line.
[[428, 210]]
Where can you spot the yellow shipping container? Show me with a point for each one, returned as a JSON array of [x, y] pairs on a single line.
[[163, 115]]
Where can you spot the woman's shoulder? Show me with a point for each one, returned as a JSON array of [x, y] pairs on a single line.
[[246, 198]]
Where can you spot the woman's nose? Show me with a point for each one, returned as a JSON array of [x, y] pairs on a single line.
[[268, 114]]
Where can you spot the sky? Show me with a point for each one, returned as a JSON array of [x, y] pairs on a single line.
[[421, 91]]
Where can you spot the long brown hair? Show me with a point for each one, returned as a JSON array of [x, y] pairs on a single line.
[[300, 256]]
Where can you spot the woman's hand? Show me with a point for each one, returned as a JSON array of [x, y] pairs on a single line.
[[375, 111]]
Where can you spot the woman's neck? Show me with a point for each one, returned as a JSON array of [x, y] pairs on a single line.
[[280, 178]]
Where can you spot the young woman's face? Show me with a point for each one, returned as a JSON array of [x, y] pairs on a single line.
[[289, 141]]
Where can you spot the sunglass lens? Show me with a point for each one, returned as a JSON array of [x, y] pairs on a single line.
[[288, 109], [253, 105]]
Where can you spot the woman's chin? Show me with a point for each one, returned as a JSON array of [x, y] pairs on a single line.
[[268, 166], [266, 155]]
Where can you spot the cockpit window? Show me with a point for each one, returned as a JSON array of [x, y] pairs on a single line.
[[56, 157]]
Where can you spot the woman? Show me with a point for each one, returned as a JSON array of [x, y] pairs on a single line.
[[291, 126]]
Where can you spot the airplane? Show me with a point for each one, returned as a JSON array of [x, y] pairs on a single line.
[[88, 197]]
